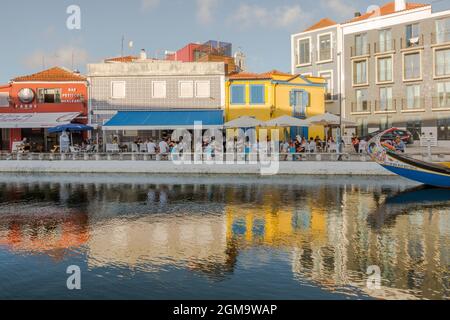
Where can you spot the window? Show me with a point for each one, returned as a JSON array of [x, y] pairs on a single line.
[[257, 94], [360, 72], [4, 99], [362, 103], [385, 40], [384, 69], [386, 101], [328, 76], [443, 30], [412, 35], [237, 94], [304, 51], [202, 89], [443, 129], [363, 128], [49, 95], [299, 101], [413, 97], [186, 89], [443, 94], [442, 62], [159, 89], [361, 44], [325, 47], [118, 89], [412, 66], [385, 123]]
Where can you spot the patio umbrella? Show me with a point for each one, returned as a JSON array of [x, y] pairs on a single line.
[[244, 122], [70, 127], [287, 121], [329, 119]]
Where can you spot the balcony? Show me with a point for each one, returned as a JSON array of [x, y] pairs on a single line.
[[441, 103], [360, 51], [384, 46], [413, 105], [386, 106], [440, 38], [363, 107], [414, 42]]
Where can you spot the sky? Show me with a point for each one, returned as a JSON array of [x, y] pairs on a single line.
[[35, 33]]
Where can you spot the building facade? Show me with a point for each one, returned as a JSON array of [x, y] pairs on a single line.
[[397, 70], [395, 62], [274, 94], [31, 104], [314, 52]]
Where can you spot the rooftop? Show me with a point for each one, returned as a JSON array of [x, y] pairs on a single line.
[[56, 74], [326, 22], [265, 75], [386, 9]]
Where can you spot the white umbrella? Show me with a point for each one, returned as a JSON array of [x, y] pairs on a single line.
[[244, 122], [329, 119], [287, 121]]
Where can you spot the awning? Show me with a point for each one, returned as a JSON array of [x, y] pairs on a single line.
[[35, 120], [164, 120]]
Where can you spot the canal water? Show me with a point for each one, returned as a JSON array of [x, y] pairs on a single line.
[[222, 237]]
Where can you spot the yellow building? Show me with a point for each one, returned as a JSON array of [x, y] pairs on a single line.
[[273, 94]]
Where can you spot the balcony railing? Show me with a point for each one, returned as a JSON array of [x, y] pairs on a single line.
[[440, 38], [412, 42], [360, 50], [384, 46], [361, 107], [324, 54], [389, 105], [441, 102], [416, 104]]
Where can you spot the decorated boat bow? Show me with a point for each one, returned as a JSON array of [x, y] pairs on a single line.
[[384, 153]]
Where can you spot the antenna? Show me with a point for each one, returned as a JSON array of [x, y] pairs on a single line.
[[123, 39]]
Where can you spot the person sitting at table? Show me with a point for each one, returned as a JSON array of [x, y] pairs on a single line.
[[312, 145]]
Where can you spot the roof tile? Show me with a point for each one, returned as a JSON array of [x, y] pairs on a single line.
[[51, 75]]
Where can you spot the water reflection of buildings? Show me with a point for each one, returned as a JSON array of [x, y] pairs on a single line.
[[205, 228]]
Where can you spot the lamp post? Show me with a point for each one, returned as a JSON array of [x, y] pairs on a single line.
[[339, 133]]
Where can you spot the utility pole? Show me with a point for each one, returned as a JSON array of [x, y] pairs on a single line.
[[123, 39], [339, 131]]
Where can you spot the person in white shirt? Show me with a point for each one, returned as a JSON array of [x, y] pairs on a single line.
[[163, 148], [312, 145], [362, 145], [151, 147]]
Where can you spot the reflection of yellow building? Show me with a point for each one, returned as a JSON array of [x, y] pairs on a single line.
[[273, 94]]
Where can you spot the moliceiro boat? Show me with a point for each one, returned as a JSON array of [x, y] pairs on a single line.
[[433, 174]]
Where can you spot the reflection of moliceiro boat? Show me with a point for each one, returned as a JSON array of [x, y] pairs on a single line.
[[434, 174]]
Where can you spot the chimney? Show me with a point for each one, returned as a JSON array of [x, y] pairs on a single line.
[[143, 55], [400, 5], [357, 14]]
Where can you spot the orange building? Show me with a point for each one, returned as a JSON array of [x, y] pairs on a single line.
[[31, 104]]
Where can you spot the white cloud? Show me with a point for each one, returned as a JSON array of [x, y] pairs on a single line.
[[280, 16], [149, 4], [62, 57], [205, 10], [341, 8]]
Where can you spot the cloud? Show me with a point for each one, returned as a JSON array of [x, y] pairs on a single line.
[[280, 16], [205, 10], [341, 8], [149, 4], [61, 57]]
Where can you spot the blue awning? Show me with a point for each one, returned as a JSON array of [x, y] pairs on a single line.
[[164, 120]]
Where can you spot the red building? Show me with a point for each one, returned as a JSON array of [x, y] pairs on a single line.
[[31, 104]]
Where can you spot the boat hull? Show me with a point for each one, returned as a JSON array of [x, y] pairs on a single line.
[[428, 178]]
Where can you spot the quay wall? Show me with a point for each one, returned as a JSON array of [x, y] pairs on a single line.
[[355, 168]]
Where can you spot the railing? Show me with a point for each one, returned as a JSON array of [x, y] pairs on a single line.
[[360, 51], [416, 104], [384, 46], [389, 105], [440, 38], [324, 54], [412, 42], [441, 102], [363, 107], [238, 157]]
